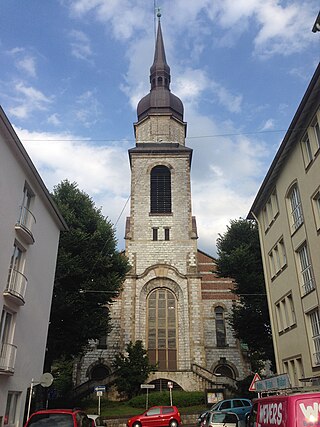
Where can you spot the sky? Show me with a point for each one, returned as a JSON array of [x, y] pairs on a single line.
[[73, 71]]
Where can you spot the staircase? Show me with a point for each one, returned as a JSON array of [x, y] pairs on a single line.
[[212, 379], [87, 388]]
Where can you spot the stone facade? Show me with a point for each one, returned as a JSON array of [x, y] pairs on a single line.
[[167, 267]]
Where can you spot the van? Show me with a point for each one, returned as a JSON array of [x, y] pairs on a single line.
[[295, 410]]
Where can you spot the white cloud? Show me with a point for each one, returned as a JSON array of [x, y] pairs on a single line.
[[100, 171], [54, 119], [88, 109], [23, 61], [269, 124], [28, 65], [29, 99], [80, 45]]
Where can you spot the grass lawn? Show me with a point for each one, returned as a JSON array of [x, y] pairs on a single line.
[[123, 410]]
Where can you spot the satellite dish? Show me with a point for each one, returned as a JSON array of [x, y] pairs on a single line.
[[46, 379]]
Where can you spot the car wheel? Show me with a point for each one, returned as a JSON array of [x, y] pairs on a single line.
[[136, 425], [173, 423]]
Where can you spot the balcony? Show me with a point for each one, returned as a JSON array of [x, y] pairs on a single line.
[[16, 287], [24, 225], [7, 358]]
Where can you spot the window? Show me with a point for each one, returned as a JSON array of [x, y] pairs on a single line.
[[285, 314], [271, 210], [307, 280], [316, 130], [306, 149], [17, 282], [11, 414], [220, 327], [316, 208], [154, 234], [160, 190], [315, 330], [296, 208], [7, 349], [277, 258], [166, 234], [26, 218], [294, 369], [162, 329]]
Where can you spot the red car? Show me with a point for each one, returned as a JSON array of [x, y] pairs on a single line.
[[59, 417], [157, 416]]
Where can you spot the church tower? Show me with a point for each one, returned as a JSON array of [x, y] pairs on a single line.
[[161, 237], [171, 299]]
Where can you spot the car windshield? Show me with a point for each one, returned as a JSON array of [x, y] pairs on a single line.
[[51, 420], [215, 406]]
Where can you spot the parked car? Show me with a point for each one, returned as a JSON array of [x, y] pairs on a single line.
[[158, 416], [96, 420], [239, 406], [59, 418], [220, 419]]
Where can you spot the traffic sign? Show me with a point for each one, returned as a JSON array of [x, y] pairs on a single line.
[[277, 382], [253, 382], [170, 384], [147, 386], [100, 388]]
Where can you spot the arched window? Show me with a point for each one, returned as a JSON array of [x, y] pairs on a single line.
[[225, 371], [296, 216], [160, 190], [162, 329], [99, 372], [220, 326]]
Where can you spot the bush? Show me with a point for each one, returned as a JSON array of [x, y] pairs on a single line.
[[179, 398]]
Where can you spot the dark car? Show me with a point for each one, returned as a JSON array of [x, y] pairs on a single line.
[[157, 416], [220, 419], [59, 418], [239, 406]]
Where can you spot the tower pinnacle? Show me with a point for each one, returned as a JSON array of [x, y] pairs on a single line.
[[160, 99]]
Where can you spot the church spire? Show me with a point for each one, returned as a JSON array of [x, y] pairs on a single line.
[[160, 100], [160, 70]]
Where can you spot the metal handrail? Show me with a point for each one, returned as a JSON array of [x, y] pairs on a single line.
[[8, 354], [17, 283]]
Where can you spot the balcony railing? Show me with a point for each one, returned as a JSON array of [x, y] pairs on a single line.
[[316, 355], [7, 357], [16, 287], [25, 224], [308, 282]]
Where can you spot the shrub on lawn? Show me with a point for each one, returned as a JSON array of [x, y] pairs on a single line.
[[179, 399]]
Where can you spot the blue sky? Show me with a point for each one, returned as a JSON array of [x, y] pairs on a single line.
[[72, 72]]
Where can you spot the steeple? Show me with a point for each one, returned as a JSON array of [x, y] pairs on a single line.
[[160, 100], [160, 70]]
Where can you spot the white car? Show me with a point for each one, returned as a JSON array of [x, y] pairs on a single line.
[[96, 420]]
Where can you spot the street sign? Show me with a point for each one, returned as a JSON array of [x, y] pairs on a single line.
[[253, 382], [147, 386], [278, 382], [100, 388]]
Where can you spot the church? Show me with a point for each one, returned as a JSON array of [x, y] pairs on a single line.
[[171, 300]]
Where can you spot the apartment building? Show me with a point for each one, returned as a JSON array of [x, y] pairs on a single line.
[[287, 209], [30, 225]]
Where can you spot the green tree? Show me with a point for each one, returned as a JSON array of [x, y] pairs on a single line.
[[239, 257], [89, 274], [132, 369]]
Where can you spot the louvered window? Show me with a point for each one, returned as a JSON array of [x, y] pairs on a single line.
[[160, 190]]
